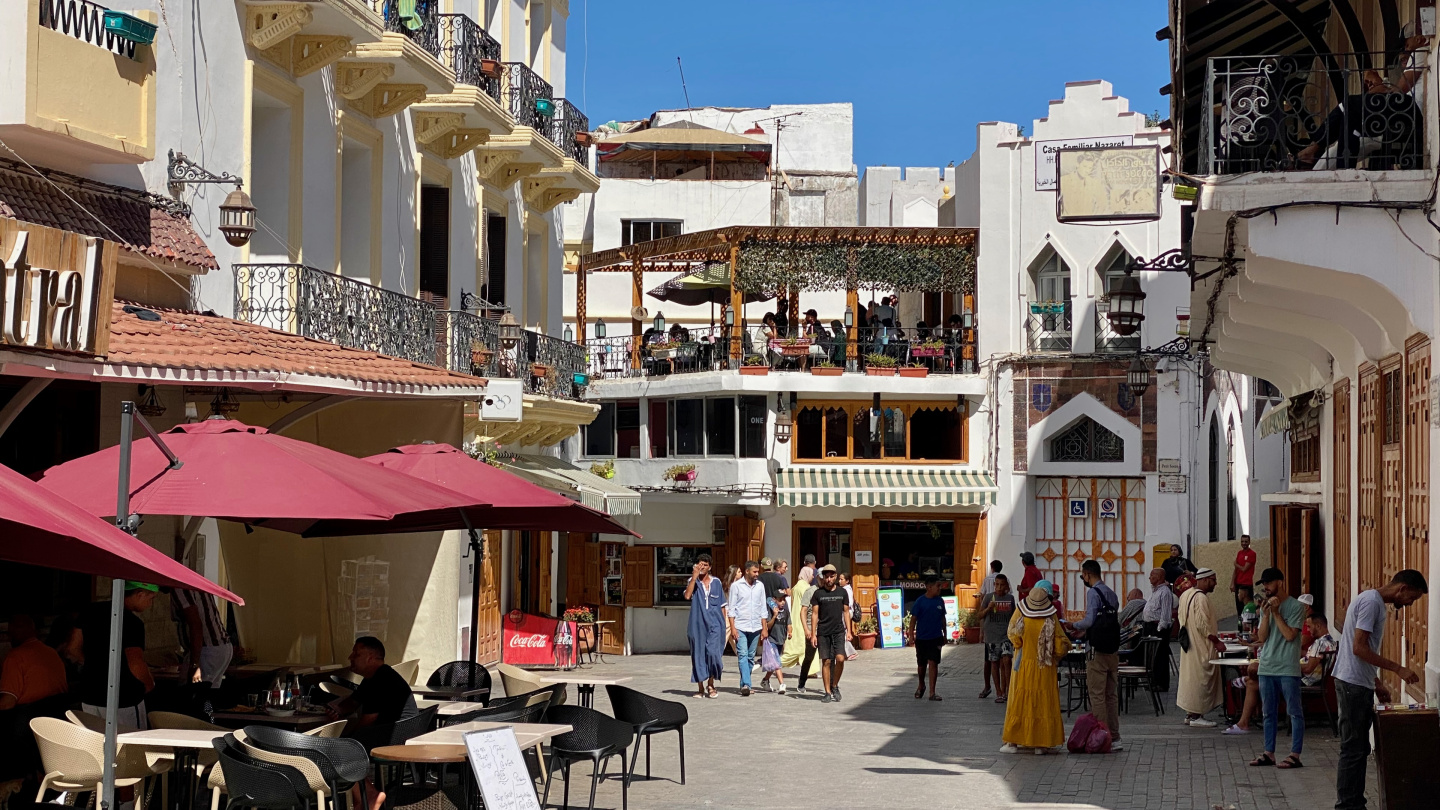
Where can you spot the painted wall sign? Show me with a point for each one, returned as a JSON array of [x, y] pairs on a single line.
[[55, 289], [1168, 466], [1174, 484], [1111, 183], [1045, 155]]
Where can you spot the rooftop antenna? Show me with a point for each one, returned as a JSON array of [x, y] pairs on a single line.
[[683, 88], [775, 182]]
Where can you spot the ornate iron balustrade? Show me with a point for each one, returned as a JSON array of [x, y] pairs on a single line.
[[1107, 340], [423, 26], [1286, 113], [569, 122], [84, 21], [529, 98], [559, 360], [473, 344], [466, 46], [315, 304], [1049, 330]]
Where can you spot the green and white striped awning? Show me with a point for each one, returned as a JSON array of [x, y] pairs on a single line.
[[861, 486]]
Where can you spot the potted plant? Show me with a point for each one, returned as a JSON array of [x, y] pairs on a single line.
[[539, 370], [792, 346], [584, 139], [480, 354], [584, 620], [754, 364], [879, 365], [681, 474], [663, 350], [825, 368], [930, 348], [604, 469], [970, 620], [866, 632], [491, 68], [914, 370]]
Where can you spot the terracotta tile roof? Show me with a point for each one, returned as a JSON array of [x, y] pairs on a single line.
[[191, 341], [142, 227]]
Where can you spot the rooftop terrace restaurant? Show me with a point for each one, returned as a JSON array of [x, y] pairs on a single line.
[[743, 264]]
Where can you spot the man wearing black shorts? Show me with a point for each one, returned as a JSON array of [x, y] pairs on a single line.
[[828, 626], [927, 633]]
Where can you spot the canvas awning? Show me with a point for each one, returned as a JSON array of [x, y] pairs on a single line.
[[681, 136], [1276, 419], [860, 486], [592, 490]]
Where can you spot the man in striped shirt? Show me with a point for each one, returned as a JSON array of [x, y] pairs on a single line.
[[207, 644]]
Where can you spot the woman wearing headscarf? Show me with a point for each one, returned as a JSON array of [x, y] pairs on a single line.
[[798, 650], [1177, 564], [1032, 715]]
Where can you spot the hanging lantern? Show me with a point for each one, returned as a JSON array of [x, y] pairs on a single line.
[[784, 424], [150, 404], [1127, 304], [600, 329], [569, 334], [509, 330], [1138, 377], [237, 218], [659, 322]]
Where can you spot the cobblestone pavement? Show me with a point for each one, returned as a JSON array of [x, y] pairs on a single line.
[[880, 747]]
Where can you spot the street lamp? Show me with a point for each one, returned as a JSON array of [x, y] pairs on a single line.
[[783, 423], [1127, 304], [237, 218], [729, 316], [600, 329], [967, 320], [509, 330], [237, 213], [660, 322], [1138, 377]]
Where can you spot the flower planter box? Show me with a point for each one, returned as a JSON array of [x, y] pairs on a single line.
[[911, 371], [481, 358], [880, 371], [584, 139], [758, 371], [865, 641], [663, 354], [797, 348], [491, 68], [924, 352], [972, 635], [826, 371], [539, 370], [1047, 307], [686, 477]]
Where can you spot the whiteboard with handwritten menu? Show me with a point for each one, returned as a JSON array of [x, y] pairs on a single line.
[[500, 770]]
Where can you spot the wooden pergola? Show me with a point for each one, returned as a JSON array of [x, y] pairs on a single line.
[[797, 259]]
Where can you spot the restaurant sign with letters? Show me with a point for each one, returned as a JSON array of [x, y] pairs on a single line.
[[55, 289]]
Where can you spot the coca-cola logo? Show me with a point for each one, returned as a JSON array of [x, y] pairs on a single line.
[[536, 640]]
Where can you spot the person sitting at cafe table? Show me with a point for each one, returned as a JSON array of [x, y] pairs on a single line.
[[1312, 670], [383, 696], [33, 670]]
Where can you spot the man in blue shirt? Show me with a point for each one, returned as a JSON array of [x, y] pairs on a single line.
[[1102, 671], [927, 633]]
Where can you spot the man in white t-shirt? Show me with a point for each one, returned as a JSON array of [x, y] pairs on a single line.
[[987, 585], [1357, 678]]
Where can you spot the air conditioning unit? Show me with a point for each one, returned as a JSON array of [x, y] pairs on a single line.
[[503, 401]]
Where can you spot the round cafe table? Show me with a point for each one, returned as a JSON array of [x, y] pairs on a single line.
[[392, 761]]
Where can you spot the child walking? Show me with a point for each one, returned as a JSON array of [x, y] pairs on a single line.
[[777, 628]]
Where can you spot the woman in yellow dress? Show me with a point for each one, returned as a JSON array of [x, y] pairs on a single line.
[[1032, 714]]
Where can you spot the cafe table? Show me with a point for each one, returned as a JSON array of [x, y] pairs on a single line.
[[447, 708], [1230, 662], [585, 684], [187, 744], [391, 758], [450, 693], [299, 721], [527, 735]]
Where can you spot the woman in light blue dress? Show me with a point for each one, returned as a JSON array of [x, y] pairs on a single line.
[[707, 629]]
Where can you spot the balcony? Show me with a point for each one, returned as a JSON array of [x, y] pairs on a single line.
[[1047, 327], [1107, 340], [570, 123], [422, 25], [315, 304], [76, 90], [467, 48], [1302, 112], [530, 99]]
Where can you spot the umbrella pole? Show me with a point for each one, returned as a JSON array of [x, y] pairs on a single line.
[[477, 554], [117, 607]]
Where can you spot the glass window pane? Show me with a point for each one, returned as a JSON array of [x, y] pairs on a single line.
[[689, 427], [627, 429], [600, 434], [867, 433], [837, 433], [720, 427], [894, 433], [809, 442], [944, 432], [754, 413], [659, 428]]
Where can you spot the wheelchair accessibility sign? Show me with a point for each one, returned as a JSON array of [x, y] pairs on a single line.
[[1109, 508], [1079, 507]]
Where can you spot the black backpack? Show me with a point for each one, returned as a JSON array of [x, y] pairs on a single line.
[[1104, 634]]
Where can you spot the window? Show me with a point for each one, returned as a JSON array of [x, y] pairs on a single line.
[[600, 433], [1392, 385], [1087, 440], [627, 429], [1052, 281], [754, 419], [659, 428], [720, 427], [1112, 273], [1305, 431], [643, 230], [688, 427], [435, 245], [1049, 318], [673, 566], [857, 431], [494, 260]]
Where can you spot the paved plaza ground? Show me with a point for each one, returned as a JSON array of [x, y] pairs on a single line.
[[880, 748]]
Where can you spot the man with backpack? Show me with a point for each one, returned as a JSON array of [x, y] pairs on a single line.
[[1101, 627]]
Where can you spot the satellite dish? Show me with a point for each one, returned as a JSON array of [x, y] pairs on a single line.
[[639, 314]]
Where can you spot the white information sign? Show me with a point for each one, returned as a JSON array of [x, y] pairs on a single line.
[[864, 557], [1169, 466], [1045, 177], [500, 770], [1174, 484]]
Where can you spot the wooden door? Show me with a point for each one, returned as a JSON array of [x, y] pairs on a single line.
[[594, 566], [865, 577], [1417, 494], [639, 579], [1340, 500], [575, 570], [544, 552], [969, 549], [487, 610], [1368, 510], [744, 542], [1313, 552], [612, 636]]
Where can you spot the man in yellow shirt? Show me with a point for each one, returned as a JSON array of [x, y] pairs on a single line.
[[32, 671]]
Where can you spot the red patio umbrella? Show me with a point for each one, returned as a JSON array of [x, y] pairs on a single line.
[[244, 473], [39, 527]]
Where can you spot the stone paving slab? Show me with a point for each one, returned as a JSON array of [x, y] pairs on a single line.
[[879, 748]]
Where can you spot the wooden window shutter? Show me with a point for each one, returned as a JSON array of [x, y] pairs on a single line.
[[575, 569], [757, 540], [639, 576], [737, 542], [590, 591], [544, 547]]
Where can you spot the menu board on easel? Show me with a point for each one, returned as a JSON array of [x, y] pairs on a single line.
[[500, 769], [890, 607], [952, 618]]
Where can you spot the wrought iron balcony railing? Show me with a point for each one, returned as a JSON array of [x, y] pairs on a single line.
[[1337, 111], [84, 21], [1107, 340], [529, 98], [472, 343], [471, 53], [551, 365], [569, 123], [419, 20], [315, 304], [1047, 325]]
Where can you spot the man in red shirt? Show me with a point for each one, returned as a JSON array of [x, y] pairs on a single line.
[[1032, 574], [1243, 583]]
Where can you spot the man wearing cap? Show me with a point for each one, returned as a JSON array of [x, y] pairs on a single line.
[[136, 681], [828, 626], [1201, 688], [1031, 576], [1101, 625], [1281, 618], [773, 578]]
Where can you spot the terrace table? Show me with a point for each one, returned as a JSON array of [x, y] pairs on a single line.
[[450, 692], [585, 685], [299, 722], [186, 745]]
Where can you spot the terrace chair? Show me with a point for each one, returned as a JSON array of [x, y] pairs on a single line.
[[315, 782], [1323, 692], [73, 758], [648, 716], [399, 732], [593, 737], [518, 681], [409, 670], [256, 783], [95, 722], [462, 673], [1137, 676], [342, 763], [335, 690], [518, 709], [329, 731]]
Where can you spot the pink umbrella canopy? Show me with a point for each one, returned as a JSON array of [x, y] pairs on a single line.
[[244, 473], [39, 527], [514, 503]]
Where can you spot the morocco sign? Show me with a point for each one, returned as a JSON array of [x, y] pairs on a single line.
[[538, 641]]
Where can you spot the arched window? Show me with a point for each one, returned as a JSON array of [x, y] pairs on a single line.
[[1214, 480], [1230, 504], [1087, 440], [1049, 317]]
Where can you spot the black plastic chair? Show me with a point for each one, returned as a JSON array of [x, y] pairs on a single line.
[[397, 733], [552, 695], [264, 785], [518, 709], [593, 737], [342, 762], [649, 716], [1137, 676], [462, 673]]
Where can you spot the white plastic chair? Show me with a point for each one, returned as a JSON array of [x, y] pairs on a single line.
[[73, 758]]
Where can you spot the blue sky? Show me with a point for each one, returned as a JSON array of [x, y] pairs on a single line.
[[921, 73]]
